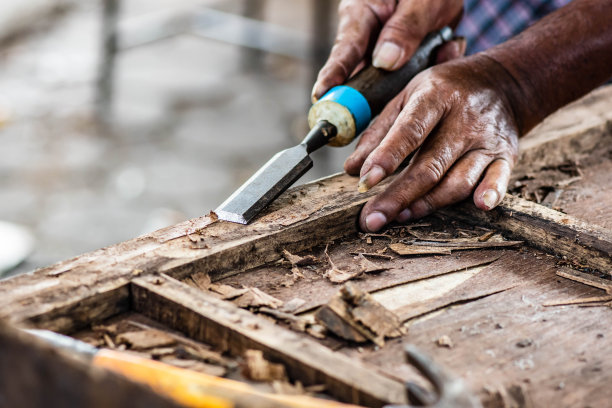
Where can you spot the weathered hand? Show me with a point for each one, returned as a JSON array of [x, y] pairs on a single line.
[[458, 121], [394, 28]]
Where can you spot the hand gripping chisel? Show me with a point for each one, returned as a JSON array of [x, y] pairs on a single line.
[[336, 119]]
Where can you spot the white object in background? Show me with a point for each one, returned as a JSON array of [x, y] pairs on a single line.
[[16, 243]]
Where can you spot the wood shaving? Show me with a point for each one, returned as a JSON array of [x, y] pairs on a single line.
[[257, 368], [354, 315], [254, 297], [373, 255], [405, 250], [201, 280], [296, 260], [145, 339], [227, 292], [293, 305], [444, 341]]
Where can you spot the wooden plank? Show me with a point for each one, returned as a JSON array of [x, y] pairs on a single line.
[[299, 219], [543, 228], [316, 290], [234, 330], [36, 375], [570, 134], [559, 355]]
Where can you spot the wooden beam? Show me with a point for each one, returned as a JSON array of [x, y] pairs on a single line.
[[546, 229], [229, 328]]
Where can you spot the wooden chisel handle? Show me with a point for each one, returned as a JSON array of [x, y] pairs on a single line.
[[351, 106]]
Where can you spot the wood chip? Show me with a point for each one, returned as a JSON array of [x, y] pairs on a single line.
[[201, 280], [297, 260], [405, 250], [355, 315], [254, 297], [145, 339], [257, 368], [586, 279], [444, 341], [373, 255], [227, 292], [293, 305]]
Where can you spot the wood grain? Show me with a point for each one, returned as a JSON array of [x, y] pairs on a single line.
[[559, 355], [543, 228], [228, 328]]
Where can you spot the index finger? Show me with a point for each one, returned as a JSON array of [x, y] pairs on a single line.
[[358, 23]]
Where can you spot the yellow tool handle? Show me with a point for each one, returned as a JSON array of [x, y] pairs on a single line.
[[199, 390]]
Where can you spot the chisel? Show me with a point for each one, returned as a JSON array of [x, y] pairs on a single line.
[[335, 119]]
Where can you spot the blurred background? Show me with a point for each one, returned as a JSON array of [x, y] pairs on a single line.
[[119, 117]]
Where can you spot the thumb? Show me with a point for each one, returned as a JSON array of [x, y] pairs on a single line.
[[400, 36]]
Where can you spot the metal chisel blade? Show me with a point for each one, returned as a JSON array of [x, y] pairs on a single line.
[[278, 174]]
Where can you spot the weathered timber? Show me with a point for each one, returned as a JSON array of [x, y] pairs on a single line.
[[299, 219], [571, 134], [543, 228], [35, 375], [234, 330], [558, 354]]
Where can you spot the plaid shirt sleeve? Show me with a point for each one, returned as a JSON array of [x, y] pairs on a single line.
[[489, 22]]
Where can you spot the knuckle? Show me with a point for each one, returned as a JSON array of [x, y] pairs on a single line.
[[432, 171]]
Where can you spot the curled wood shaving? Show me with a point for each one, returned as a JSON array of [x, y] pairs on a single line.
[[257, 368], [337, 275]]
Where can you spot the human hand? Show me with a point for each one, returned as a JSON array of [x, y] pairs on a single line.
[[394, 28], [458, 120]]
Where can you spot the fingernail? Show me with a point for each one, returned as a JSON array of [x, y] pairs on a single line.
[[370, 179], [386, 55], [462, 43], [314, 93], [404, 216], [375, 221], [490, 198]]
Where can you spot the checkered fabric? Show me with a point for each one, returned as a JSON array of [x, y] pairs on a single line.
[[486, 23]]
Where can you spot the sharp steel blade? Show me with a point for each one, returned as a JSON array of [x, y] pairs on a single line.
[[278, 174]]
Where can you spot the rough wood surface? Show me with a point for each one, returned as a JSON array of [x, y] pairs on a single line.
[[299, 219], [543, 228], [234, 330], [569, 134], [35, 375], [558, 355]]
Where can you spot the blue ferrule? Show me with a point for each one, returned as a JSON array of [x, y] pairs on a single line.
[[354, 101]]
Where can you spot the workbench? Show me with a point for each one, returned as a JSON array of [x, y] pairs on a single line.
[[523, 324]]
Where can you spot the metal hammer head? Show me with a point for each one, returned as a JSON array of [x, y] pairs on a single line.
[[451, 391]]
